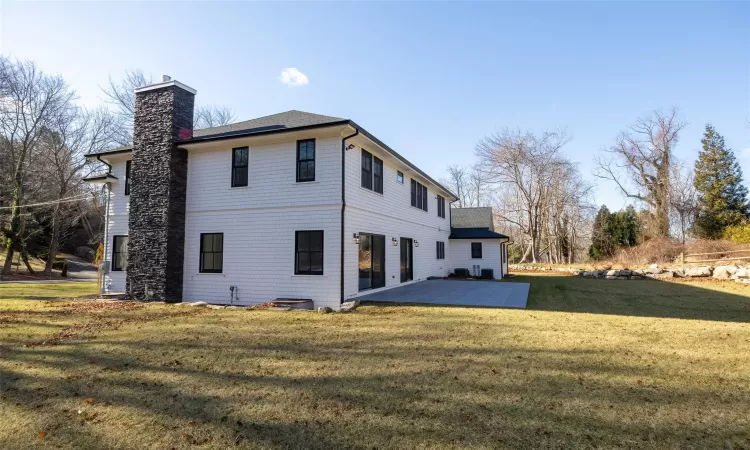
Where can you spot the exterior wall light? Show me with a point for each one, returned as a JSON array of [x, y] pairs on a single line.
[[355, 238], [395, 242], [416, 243]]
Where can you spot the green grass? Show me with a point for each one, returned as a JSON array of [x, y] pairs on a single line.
[[591, 364]]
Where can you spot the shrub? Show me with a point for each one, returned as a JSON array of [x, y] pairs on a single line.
[[738, 234]]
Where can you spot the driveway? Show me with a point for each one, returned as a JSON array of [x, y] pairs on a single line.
[[456, 292]]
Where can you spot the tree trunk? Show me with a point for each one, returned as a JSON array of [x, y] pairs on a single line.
[[12, 235], [53, 244]]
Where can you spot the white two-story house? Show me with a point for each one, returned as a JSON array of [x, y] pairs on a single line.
[[292, 205]]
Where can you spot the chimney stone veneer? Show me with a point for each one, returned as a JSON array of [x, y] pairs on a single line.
[[158, 183]]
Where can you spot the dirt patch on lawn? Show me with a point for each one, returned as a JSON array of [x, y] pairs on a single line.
[[100, 316]]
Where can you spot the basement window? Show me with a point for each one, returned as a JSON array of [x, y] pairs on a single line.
[[212, 253]]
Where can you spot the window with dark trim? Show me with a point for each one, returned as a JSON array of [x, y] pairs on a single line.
[[476, 250], [239, 166], [306, 160], [377, 175], [440, 250], [366, 169], [418, 195], [400, 177], [441, 206], [127, 177], [308, 252], [212, 253], [119, 253]]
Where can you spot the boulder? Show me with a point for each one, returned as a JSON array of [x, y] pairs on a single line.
[[611, 273], [741, 272], [702, 271], [198, 304], [654, 269], [724, 272], [324, 310], [349, 306]]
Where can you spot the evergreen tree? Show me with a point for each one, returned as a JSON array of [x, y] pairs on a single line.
[[625, 227], [601, 238], [722, 198]]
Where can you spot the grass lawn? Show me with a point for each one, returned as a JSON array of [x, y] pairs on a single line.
[[590, 364]]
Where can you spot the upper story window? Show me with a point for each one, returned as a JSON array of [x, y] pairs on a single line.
[[418, 195], [441, 206], [212, 253], [239, 166], [308, 252], [400, 177], [119, 253], [372, 172], [476, 250], [306, 160], [127, 177]]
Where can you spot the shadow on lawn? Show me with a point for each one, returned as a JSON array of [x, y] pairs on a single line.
[[469, 397], [645, 298]]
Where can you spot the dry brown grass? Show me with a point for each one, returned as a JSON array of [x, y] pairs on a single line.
[[591, 364]]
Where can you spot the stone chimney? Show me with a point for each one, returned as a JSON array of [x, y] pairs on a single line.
[[158, 182]]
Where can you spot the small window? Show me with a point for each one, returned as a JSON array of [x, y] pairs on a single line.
[[127, 178], [418, 195], [366, 169], [400, 177], [476, 250], [212, 253], [377, 175], [308, 258], [306, 160], [239, 167], [119, 253], [440, 250], [441, 206]]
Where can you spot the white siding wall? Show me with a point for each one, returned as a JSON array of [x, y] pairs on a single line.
[[460, 256], [392, 215], [259, 224], [117, 217]]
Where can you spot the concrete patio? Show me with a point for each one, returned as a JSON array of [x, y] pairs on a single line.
[[491, 294]]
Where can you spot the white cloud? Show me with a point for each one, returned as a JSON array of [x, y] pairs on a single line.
[[293, 77]]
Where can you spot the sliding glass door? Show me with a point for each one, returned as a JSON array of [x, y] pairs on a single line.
[[371, 261]]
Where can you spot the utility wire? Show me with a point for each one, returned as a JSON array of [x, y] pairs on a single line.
[[52, 202]]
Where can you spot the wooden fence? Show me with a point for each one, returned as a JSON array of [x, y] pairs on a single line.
[[728, 252]]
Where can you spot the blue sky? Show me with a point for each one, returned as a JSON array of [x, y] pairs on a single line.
[[429, 79]]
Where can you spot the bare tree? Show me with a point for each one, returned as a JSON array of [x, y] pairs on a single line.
[[640, 163], [62, 148], [121, 96], [212, 116], [29, 101], [683, 197], [457, 182], [524, 165]]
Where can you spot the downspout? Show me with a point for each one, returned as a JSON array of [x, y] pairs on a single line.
[[343, 203], [109, 166]]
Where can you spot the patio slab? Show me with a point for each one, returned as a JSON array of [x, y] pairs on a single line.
[[491, 294]]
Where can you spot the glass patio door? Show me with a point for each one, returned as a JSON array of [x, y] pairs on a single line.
[[371, 261]]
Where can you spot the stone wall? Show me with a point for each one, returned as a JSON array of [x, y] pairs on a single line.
[[157, 193]]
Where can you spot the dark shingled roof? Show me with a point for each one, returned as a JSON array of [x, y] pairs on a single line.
[[475, 233], [280, 121]]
